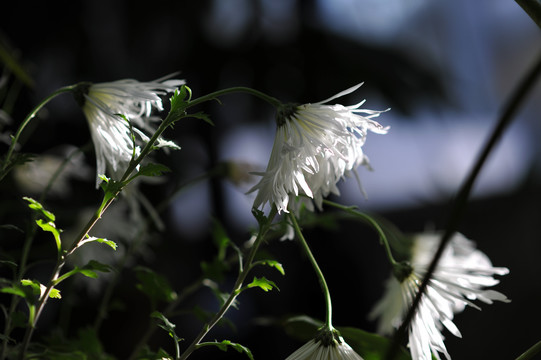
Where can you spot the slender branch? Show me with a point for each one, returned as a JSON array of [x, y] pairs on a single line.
[[461, 200], [27, 120], [319, 273], [214, 95], [368, 219], [531, 352], [236, 288]]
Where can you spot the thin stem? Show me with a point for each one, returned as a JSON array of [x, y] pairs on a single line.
[[461, 200], [271, 100], [531, 352], [27, 120], [319, 273], [368, 219], [236, 288]]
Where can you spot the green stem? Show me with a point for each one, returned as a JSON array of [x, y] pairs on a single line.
[[531, 352], [319, 273], [271, 100], [236, 288], [368, 219], [461, 200], [27, 120]]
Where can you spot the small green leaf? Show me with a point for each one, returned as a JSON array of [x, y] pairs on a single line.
[[51, 227], [166, 325], [262, 283], [111, 243], [225, 344], [36, 206], [275, 264], [55, 294]]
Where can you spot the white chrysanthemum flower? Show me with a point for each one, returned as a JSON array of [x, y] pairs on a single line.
[[104, 106], [318, 349], [315, 146], [462, 276]]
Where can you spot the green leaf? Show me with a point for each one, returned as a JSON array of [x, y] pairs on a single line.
[[155, 286], [55, 294], [153, 170], [110, 243], [275, 264], [202, 116], [51, 227], [89, 270], [110, 189], [166, 325], [226, 343], [180, 99], [14, 290], [36, 206], [263, 283]]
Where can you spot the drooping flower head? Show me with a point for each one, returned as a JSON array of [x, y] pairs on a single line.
[[462, 275], [315, 146], [328, 346], [116, 110]]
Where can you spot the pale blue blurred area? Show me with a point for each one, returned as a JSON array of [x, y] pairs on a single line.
[[479, 48]]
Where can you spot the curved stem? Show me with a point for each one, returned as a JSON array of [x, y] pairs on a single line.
[[368, 219], [213, 95], [27, 120], [319, 273], [531, 352], [236, 288], [461, 200]]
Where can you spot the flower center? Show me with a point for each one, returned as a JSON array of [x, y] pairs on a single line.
[[285, 112], [80, 91]]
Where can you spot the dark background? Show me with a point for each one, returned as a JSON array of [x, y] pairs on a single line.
[[445, 70]]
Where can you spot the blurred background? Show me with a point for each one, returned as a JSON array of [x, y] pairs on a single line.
[[445, 70]]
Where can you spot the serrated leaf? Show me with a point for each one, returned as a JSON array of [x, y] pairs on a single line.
[[96, 265], [224, 344], [155, 286], [202, 116], [275, 264], [166, 325], [263, 283], [89, 270], [178, 99], [36, 206], [153, 170], [55, 294]]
